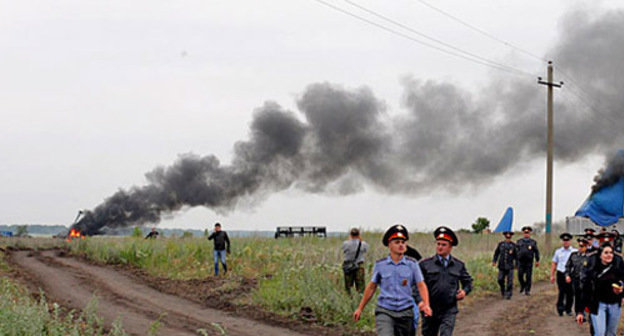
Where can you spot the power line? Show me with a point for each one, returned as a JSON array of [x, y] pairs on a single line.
[[431, 38], [408, 37], [481, 31]]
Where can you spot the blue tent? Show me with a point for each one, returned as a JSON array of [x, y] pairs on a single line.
[[605, 206], [505, 222]]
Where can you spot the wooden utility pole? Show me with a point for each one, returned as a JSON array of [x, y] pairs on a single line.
[[549, 156]]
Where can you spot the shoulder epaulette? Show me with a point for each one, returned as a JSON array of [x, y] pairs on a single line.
[[457, 260], [411, 259], [380, 260], [591, 253], [426, 259]]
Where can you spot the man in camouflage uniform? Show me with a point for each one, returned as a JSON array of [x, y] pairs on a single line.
[[354, 251]]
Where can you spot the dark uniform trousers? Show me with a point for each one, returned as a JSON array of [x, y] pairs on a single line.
[[442, 322], [394, 323], [525, 274], [505, 281], [578, 291], [566, 294]]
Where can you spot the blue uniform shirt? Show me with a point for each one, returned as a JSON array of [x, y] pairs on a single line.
[[395, 282], [561, 257]]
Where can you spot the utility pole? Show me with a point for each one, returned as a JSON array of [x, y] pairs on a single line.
[[549, 156]]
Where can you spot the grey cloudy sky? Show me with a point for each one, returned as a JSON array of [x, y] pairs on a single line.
[[94, 95]]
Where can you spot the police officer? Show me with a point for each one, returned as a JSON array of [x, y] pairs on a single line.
[[617, 241], [559, 260], [527, 252], [574, 273], [507, 256], [395, 275], [594, 242], [443, 275]]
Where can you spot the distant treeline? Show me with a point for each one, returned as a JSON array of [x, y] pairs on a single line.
[[39, 229]]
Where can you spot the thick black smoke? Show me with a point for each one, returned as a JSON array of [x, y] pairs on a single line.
[[612, 173], [450, 138]]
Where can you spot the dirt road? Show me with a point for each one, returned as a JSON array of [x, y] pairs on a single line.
[[73, 284], [522, 315]]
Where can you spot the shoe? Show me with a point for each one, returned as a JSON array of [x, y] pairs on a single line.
[[560, 313], [569, 313], [527, 293], [521, 290]]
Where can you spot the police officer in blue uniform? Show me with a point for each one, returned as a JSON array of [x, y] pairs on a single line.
[[527, 252], [506, 255], [395, 275], [443, 275], [559, 260]]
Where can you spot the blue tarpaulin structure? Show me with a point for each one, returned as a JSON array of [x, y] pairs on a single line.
[[505, 222], [605, 206]]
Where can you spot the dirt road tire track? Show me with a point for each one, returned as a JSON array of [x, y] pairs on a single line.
[[73, 283]]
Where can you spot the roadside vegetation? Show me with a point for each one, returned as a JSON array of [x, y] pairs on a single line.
[[293, 275], [21, 314]]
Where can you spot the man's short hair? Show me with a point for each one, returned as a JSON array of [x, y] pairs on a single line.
[[218, 224], [355, 232]]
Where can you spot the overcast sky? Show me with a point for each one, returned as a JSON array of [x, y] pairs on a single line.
[[94, 94]]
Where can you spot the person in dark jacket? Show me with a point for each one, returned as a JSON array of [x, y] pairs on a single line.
[[152, 235], [506, 255], [602, 291], [221, 246], [574, 273], [527, 252], [443, 275], [617, 241]]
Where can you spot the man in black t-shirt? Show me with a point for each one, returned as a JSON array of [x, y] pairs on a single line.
[[221, 246]]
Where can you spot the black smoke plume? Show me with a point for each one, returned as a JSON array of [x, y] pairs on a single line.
[[612, 173], [450, 138]]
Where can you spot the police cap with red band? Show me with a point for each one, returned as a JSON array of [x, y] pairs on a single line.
[[606, 237], [397, 231], [444, 233]]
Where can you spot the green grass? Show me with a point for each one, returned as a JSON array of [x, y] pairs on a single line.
[[292, 273], [21, 315]]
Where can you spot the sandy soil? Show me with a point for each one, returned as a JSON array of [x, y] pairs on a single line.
[[73, 283]]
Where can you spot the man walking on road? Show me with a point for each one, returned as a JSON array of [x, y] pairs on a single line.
[[443, 275], [354, 251], [396, 276], [507, 257], [527, 252], [221, 246], [559, 260]]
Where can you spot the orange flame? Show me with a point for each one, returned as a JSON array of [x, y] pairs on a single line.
[[74, 234]]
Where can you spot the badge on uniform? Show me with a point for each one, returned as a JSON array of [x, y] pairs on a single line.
[[404, 282], [510, 251], [530, 247]]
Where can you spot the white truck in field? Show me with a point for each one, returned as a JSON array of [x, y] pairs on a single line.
[[576, 225]]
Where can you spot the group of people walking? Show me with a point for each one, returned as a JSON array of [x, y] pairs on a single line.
[[510, 256], [589, 279], [410, 287]]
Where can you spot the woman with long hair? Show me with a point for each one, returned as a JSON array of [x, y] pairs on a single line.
[[602, 291]]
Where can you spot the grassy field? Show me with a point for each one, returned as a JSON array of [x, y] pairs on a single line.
[[291, 273]]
